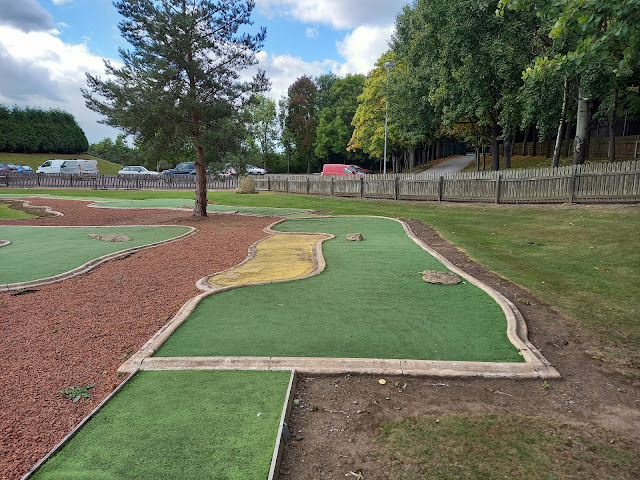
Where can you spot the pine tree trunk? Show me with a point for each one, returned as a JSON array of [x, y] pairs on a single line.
[[200, 207], [524, 144], [612, 133], [534, 139], [581, 141], [565, 102], [567, 133]]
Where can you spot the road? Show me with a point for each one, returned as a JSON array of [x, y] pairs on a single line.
[[453, 165]]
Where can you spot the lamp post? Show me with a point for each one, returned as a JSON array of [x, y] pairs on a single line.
[[386, 65]]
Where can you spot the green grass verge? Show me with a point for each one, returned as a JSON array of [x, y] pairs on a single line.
[[40, 252], [7, 213], [370, 302], [499, 446], [598, 286], [179, 424], [34, 160]]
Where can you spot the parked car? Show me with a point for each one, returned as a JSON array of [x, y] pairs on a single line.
[[184, 168], [24, 169], [339, 169], [227, 171], [77, 166], [8, 168], [136, 170], [253, 170], [359, 169]]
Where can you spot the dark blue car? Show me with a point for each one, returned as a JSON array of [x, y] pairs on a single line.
[[184, 168]]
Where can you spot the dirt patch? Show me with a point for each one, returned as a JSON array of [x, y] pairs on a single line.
[[79, 331], [337, 418]]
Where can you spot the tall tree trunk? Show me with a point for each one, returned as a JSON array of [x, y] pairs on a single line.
[[477, 158], [565, 102], [547, 147], [567, 133], [309, 162], [534, 139], [439, 149], [508, 145], [612, 133], [200, 207], [524, 144], [581, 141], [495, 147], [484, 158]]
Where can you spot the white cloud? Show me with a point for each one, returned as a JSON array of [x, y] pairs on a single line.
[[340, 14], [283, 70], [41, 71], [362, 47], [311, 32], [25, 15], [61, 2]]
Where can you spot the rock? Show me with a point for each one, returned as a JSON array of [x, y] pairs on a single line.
[[442, 278], [354, 237], [4, 242], [110, 237]]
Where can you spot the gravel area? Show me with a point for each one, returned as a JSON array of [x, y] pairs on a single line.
[[79, 331]]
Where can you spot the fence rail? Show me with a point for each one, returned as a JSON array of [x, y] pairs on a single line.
[[114, 182], [591, 183]]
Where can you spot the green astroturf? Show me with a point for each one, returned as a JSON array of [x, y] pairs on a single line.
[[179, 425], [7, 213], [188, 203], [370, 302], [40, 252]]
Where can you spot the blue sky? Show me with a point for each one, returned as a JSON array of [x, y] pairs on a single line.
[[46, 46]]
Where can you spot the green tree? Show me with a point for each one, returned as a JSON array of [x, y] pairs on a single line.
[[180, 80], [301, 116], [262, 126], [335, 128]]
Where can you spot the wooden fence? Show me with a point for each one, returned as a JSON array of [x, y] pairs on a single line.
[[626, 147], [114, 182], [592, 183]]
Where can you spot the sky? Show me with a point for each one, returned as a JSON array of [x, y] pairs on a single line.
[[46, 46]]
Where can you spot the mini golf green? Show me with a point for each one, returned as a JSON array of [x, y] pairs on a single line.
[[179, 424], [189, 203], [41, 252], [370, 302]]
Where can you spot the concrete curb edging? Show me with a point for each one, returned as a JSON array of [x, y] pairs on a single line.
[[535, 365], [96, 261], [78, 427], [274, 470]]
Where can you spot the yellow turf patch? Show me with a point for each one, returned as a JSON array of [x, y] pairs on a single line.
[[280, 257]]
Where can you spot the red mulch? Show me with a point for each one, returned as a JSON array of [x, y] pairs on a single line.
[[79, 331]]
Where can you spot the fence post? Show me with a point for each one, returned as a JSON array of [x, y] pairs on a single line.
[[572, 185], [307, 185], [498, 188], [440, 187], [396, 186], [361, 186], [286, 187], [268, 184], [635, 150], [331, 187]]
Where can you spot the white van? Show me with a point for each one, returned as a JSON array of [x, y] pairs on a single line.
[[77, 166]]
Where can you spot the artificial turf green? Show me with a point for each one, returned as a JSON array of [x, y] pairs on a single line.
[[8, 213], [179, 424], [41, 252], [370, 302]]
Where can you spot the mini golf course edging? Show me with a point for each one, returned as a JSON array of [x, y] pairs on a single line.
[[535, 365], [84, 268]]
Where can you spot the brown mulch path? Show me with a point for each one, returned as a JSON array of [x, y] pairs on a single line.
[[78, 331]]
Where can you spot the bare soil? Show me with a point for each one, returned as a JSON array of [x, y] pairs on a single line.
[[79, 331]]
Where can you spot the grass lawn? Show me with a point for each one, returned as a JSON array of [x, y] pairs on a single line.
[[34, 160], [7, 213], [502, 446], [587, 257], [66, 248], [179, 424], [370, 302]]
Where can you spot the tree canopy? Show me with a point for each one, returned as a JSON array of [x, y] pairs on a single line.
[[180, 81]]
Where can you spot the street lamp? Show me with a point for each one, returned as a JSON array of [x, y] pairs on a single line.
[[386, 65]]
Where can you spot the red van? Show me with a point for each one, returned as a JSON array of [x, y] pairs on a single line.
[[338, 169]]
